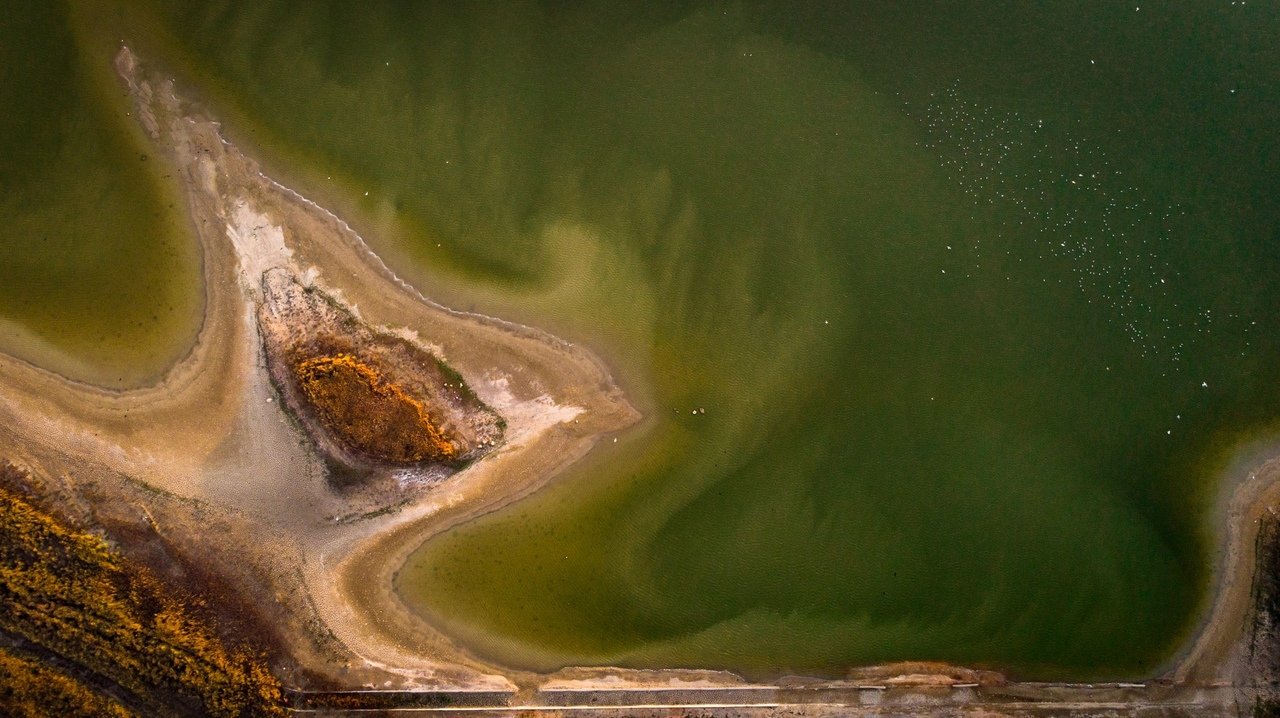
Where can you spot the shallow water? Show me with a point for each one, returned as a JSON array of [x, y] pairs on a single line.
[[99, 277], [973, 301]]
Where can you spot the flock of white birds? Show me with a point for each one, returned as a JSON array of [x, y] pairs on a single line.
[[1028, 182]]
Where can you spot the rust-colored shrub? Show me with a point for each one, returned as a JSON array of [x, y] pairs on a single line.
[[369, 414], [29, 689]]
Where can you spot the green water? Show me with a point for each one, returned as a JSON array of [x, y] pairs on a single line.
[[974, 301], [95, 259]]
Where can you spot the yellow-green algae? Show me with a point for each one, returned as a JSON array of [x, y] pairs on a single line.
[[99, 273]]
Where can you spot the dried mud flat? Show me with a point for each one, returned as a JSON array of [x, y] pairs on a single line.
[[251, 436]]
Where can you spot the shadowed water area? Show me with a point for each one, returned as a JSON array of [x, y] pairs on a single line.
[[944, 319]]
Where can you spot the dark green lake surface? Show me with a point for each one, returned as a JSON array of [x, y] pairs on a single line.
[[975, 299]]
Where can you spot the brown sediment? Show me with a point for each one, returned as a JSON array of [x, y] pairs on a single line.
[[1262, 666], [225, 469], [222, 433]]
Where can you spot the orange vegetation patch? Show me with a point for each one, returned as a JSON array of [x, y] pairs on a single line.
[[30, 689], [70, 593], [371, 415]]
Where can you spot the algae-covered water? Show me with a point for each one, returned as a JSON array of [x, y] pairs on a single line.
[[944, 316], [98, 274]]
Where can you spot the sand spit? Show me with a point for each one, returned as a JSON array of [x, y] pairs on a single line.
[[213, 430], [210, 445]]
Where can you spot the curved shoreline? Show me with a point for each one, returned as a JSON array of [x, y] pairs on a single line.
[[1250, 488], [537, 381], [349, 569]]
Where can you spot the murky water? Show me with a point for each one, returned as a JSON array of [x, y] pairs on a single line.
[[945, 318], [98, 273]]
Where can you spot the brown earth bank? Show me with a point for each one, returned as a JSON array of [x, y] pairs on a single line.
[[330, 419]]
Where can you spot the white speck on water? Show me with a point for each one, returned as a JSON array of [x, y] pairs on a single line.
[[1060, 197]]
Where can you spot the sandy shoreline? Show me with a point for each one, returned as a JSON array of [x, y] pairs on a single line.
[[210, 432], [1215, 651], [539, 383]]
